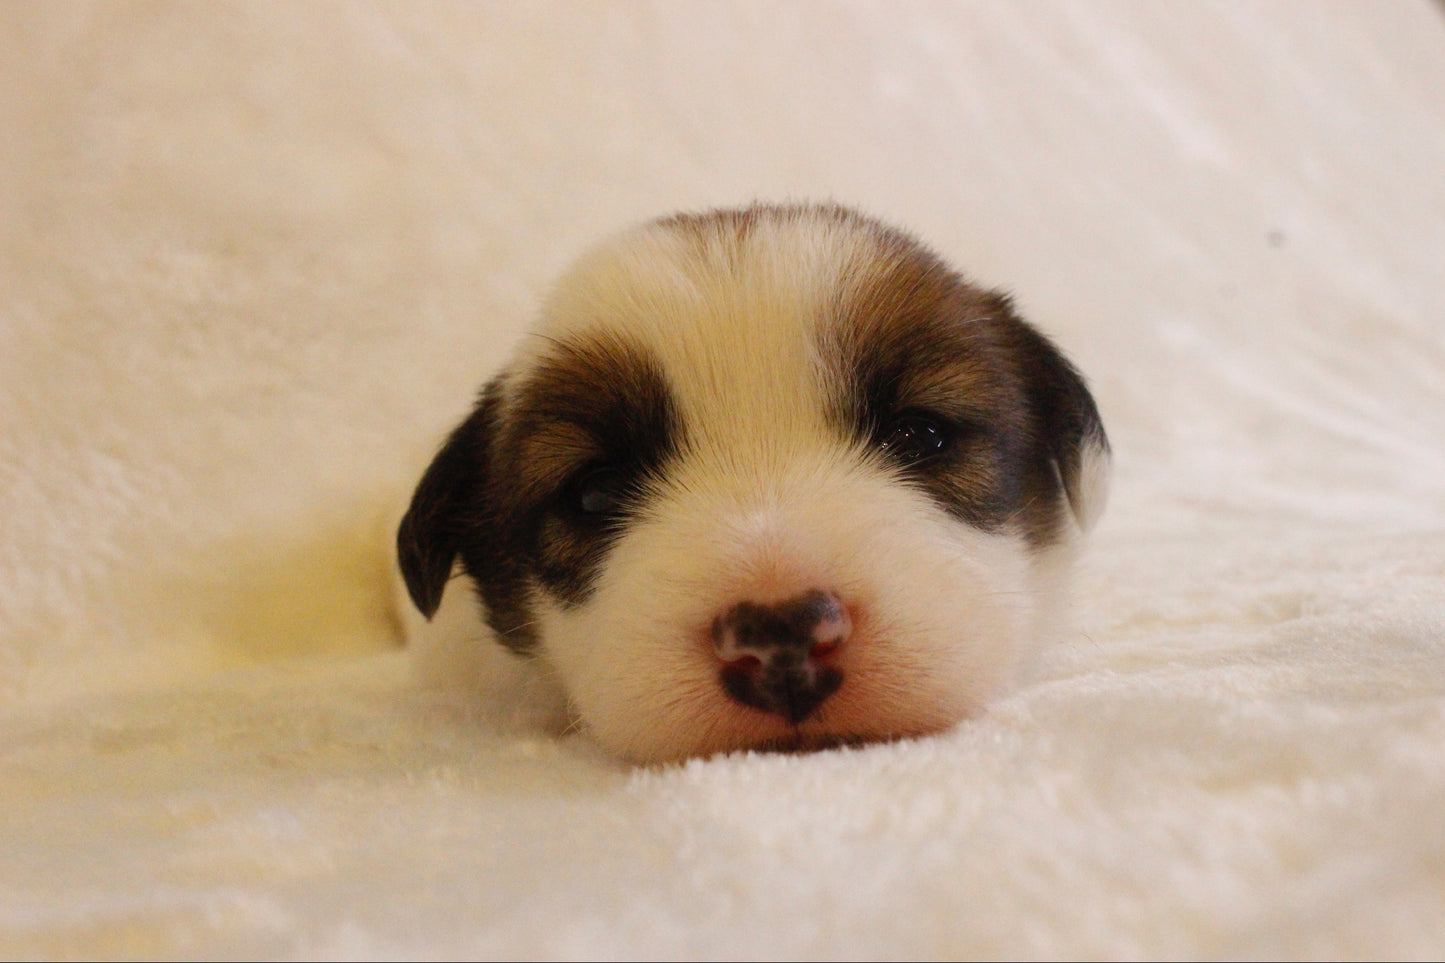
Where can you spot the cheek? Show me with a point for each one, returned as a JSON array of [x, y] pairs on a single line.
[[942, 613]]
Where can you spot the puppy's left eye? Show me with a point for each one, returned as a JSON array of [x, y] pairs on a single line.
[[598, 493], [914, 437]]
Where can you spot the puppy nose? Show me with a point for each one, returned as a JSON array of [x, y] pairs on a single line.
[[776, 656]]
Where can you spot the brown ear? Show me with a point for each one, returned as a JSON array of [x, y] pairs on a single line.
[[1072, 432], [445, 503]]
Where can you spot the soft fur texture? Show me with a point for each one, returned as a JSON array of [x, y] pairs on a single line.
[[757, 412], [256, 258]]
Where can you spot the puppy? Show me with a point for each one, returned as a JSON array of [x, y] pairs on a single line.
[[774, 477]]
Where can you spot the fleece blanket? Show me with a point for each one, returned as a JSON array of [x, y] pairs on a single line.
[[255, 258]]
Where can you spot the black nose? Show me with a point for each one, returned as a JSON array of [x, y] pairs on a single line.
[[777, 657]]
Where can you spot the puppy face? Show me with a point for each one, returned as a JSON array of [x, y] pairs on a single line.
[[773, 477]]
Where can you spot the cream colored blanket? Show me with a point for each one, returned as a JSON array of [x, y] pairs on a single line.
[[255, 258]]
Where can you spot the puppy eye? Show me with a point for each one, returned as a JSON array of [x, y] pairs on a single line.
[[913, 437], [598, 493]]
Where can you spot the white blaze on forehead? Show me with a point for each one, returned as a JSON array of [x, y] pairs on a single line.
[[730, 315]]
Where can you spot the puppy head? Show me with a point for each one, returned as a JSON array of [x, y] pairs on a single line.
[[772, 477]]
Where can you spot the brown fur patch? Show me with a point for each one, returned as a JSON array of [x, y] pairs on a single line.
[[590, 404], [914, 336], [501, 493]]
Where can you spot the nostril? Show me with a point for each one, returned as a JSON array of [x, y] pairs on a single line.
[[829, 623], [825, 648], [745, 663]]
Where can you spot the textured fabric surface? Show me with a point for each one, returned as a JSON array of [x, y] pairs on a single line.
[[255, 259]]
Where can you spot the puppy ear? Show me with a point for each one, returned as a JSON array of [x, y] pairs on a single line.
[[1072, 433], [445, 502]]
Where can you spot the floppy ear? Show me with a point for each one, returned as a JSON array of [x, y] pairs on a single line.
[[1072, 434], [446, 501]]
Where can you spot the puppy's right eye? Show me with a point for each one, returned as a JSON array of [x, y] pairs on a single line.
[[915, 436], [597, 493]]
